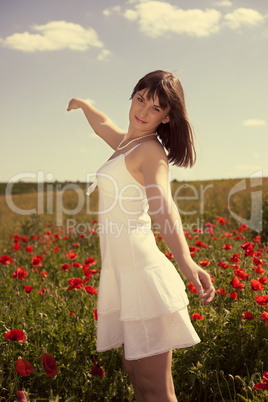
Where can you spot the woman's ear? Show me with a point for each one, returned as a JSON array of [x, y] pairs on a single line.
[[166, 120]]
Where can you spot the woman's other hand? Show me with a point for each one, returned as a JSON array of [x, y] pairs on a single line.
[[74, 103]]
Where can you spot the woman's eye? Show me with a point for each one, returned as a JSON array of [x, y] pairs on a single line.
[[140, 99], [156, 109]]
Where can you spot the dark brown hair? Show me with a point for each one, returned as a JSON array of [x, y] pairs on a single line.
[[176, 135]]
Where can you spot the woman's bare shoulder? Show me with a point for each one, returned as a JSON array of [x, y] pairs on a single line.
[[152, 151]]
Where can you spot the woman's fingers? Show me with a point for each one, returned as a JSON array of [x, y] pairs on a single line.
[[208, 296]]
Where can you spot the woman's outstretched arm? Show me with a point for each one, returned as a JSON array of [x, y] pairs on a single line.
[[167, 219], [100, 123]]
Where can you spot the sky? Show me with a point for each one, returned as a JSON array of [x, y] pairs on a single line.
[[54, 50]]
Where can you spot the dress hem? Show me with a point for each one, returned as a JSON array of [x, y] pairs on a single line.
[[181, 346]]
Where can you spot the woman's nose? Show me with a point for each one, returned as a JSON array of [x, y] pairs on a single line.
[[143, 111]]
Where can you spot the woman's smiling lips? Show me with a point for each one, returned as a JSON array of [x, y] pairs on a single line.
[[139, 120]]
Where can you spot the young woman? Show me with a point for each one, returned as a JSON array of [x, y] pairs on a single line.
[[142, 304]]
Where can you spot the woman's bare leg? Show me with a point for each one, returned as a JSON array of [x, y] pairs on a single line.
[[127, 364], [151, 378]]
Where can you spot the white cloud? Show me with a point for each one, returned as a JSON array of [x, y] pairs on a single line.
[[156, 18], [254, 122], [55, 35], [91, 101], [112, 10], [104, 55], [223, 3], [243, 16]]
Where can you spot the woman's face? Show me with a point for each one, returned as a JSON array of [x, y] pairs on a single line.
[[145, 114]]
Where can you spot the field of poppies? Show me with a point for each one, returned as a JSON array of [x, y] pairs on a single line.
[[48, 313]]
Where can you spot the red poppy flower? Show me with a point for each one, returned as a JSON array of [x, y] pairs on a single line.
[[29, 249], [15, 335], [6, 259], [192, 288], [44, 273], [71, 255], [235, 282], [249, 252], [247, 315], [256, 285], [169, 255], [35, 237], [97, 370], [75, 283], [204, 263], [258, 269], [49, 364], [95, 314], [197, 316], [20, 274], [87, 271], [91, 290], [263, 279], [28, 289], [233, 295], [221, 220], [223, 264], [246, 245], [71, 313], [76, 264], [65, 267], [220, 291], [16, 246], [257, 261], [16, 238], [235, 258], [211, 278], [37, 261], [227, 246], [262, 300], [199, 243], [264, 384], [259, 253], [90, 261], [21, 396], [56, 249], [264, 316], [243, 227], [241, 273], [43, 290], [23, 367]]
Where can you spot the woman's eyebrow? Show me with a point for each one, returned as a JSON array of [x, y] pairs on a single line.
[[144, 99]]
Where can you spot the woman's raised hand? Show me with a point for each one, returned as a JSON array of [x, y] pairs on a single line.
[[74, 103]]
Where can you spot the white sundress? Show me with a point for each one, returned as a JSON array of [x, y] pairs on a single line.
[[142, 301]]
